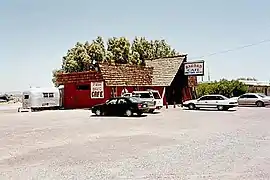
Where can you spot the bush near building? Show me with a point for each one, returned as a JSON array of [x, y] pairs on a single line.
[[225, 87]]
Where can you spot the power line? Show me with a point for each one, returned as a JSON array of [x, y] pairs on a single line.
[[235, 49]]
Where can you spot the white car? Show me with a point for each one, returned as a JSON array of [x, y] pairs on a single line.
[[211, 101], [151, 96]]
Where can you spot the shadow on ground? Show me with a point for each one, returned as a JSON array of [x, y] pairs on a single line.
[[230, 110], [93, 115]]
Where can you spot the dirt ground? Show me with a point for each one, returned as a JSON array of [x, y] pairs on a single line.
[[173, 144]]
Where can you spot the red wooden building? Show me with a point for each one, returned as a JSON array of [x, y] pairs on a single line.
[[85, 89]]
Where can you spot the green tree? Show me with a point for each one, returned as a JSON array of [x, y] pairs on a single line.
[[224, 87], [119, 49], [86, 56], [54, 74], [151, 49]]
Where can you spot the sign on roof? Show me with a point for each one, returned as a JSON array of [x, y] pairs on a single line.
[[195, 68]]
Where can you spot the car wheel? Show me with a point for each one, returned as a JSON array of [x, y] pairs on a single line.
[[259, 104], [220, 108], [98, 112], [129, 113], [139, 113], [151, 110], [191, 106]]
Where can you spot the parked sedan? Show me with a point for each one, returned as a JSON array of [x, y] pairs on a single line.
[[254, 99], [211, 101], [121, 106]]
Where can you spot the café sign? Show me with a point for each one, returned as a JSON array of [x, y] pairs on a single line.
[[195, 68], [97, 90]]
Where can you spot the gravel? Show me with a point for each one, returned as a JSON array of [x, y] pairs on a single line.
[[173, 144]]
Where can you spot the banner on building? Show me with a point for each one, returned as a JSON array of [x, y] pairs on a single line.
[[195, 68], [97, 90]]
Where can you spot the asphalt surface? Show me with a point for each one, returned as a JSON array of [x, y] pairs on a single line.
[[174, 144]]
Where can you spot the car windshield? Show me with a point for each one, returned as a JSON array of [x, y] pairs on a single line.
[[224, 97], [156, 95], [262, 95], [143, 95], [134, 100]]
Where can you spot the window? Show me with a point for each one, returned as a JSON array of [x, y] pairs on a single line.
[[51, 95], [250, 96], [26, 96], [143, 95], [122, 101], [83, 87], [262, 95], [113, 101], [45, 95], [243, 96], [213, 98], [219, 98], [134, 100], [204, 98], [156, 95]]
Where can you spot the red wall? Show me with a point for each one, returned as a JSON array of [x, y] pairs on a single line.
[[74, 98]]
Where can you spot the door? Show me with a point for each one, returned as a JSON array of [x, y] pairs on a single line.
[[242, 100], [122, 106], [213, 101], [251, 99], [203, 102], [26, 101], [111, 107]]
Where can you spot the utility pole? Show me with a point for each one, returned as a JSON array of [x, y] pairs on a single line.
[[209, 79]]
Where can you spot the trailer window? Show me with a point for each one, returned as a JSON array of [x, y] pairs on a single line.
[[83, 87], [26, 96], [51, 95], [45, 95]]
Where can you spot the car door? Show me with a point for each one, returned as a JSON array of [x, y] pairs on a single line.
[[122, 106], [202, 102], [213, 101], [111, 107], [251, 99], [242, 100]]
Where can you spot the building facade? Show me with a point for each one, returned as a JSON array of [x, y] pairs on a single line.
[[86, 89]]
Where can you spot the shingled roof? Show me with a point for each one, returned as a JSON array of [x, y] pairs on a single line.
[[165, 69], [126, 75]]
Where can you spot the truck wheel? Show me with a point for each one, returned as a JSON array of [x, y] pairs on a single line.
[[259, 104], [191, 106], [220, 108]]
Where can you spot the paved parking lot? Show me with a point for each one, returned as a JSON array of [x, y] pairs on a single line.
[[174, 144]]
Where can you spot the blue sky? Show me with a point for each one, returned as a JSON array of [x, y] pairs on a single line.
[[34, 35]]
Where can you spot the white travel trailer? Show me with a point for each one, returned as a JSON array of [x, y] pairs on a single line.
[[41, 98]]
